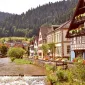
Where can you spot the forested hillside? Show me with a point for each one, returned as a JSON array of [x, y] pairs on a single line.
[[3, 15], [27, 24]]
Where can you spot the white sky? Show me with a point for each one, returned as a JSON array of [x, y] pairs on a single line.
[[19, 6]]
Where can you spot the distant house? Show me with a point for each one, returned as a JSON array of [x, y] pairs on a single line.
[[51, 38], [57, 36], [51, 34], [62, 43], [42, 40], [77, 31], [33, 47]]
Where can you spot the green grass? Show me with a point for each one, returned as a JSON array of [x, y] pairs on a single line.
[[22, 61], [14, 38], [67, 83]]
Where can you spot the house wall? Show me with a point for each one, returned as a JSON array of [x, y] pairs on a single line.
[[78, 43], [66, 44], [58, 37], [64, 35], [66, 50], [50, 38], [35, 44], [31, 51], [78, 47], [58, 50], [40, 42]]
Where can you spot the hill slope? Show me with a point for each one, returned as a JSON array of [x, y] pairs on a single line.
[[28, 24], [4, 15]]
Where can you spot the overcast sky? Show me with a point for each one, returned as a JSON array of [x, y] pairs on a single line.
[[19, 6]]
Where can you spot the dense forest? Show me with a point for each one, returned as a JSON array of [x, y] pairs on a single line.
[[4, 15], [27, 24]]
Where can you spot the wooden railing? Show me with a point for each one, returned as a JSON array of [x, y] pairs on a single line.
[[62, 63]]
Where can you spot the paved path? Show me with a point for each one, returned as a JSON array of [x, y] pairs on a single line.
[[9, 68]]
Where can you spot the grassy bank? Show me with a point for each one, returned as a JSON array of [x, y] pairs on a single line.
[[14, 38], [22, 61]]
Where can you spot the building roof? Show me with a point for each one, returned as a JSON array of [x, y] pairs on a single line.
[[44, 31], [58, 27], [52, 28], [80, 9], [64, 25]]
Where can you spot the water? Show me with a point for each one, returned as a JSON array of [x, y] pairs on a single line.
[[9, 68], [25, 80]]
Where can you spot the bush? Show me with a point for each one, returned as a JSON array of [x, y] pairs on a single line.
[[3, 50], [50, 68], [57, 75], [12, 59], [22, 61], [16, 52], [62, 75], [79, 71]]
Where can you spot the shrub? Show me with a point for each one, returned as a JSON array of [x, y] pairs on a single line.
[[3, 50], [22, 61], [15, 52], [45, 49], [79, 71], [50, 68], [12, 59], [52, 77], [62, 75]]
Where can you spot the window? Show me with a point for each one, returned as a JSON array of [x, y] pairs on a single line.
[[68, 49], [58, 50], [73, 40], [83, 39], [58, 37], [44, 41], [78, 39], [40, 54]]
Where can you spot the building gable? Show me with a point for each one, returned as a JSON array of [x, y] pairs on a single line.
[[77, 24]]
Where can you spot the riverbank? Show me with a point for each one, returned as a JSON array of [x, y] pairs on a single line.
[[11, 69]]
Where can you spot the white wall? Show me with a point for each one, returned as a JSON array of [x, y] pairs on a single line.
[[65, 49], [58, 36]]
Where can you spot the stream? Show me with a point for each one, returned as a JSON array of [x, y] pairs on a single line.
[[25, 80]]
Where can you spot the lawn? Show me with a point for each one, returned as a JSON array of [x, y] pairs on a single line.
[[22, 61]]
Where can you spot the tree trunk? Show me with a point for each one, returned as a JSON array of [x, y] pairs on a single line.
[[51, 83]]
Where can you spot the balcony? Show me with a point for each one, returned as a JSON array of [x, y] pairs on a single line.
[[78, 47], [77, 32]]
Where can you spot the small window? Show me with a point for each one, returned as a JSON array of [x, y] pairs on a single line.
[[83, 39], [68, 49], [40, 54], [58, 50]]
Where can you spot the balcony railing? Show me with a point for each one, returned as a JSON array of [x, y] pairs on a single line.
[[77, 32], [78, 47]]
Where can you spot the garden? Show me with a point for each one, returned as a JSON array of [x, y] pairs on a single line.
[[71, 76]]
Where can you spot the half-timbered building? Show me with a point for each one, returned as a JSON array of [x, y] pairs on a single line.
[[77, 31]]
